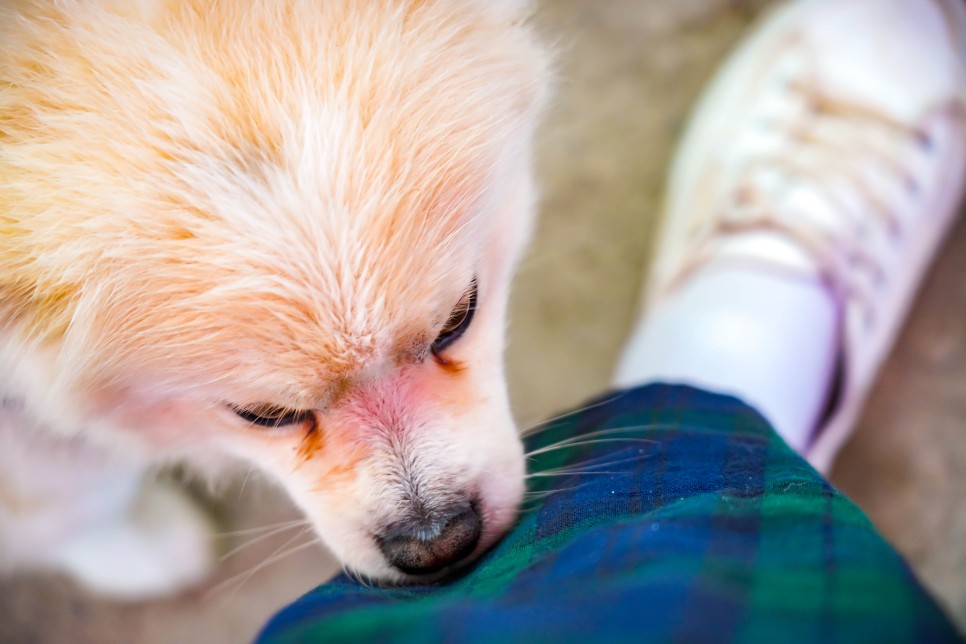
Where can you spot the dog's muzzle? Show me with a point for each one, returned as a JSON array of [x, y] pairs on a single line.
[[428, 545]]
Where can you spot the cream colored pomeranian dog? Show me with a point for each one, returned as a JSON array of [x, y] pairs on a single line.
[[280, 231]]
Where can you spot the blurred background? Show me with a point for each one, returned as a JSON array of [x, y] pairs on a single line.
[[629, 71]]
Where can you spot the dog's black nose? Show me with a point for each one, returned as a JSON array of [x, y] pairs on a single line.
[[421, 548]]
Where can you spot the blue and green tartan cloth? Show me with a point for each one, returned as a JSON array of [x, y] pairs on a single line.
[[679, 516]]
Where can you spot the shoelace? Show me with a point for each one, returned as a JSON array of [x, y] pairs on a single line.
[[862, 166]]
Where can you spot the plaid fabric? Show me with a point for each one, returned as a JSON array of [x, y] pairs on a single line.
[[680, 516]]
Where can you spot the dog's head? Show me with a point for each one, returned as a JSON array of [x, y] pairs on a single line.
[[285, 231]]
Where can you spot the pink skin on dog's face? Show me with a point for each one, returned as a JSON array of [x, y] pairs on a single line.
[[281, 213]]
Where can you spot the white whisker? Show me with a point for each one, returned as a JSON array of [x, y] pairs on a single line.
[[279, 554], [594, 441], [547, 424], [262, 537], [264, 528], [248, 475]]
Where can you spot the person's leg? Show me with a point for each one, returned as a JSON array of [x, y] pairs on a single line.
[[816, 182], [766, 338], [657, 514]]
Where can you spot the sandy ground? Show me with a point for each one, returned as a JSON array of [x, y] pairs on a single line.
[[629, 71]]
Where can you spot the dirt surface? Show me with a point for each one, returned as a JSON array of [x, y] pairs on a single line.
[[629, 71]]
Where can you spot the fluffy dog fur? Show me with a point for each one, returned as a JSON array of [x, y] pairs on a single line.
[[213, 204]]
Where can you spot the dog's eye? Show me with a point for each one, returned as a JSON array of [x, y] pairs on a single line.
[[272, 416], [459, 320]]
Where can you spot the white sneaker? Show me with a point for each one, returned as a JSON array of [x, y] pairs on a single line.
[[832, 147]]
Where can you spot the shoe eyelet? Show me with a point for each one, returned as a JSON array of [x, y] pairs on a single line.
[[880, 279], [896, 235], [925, 142], [913, 187], [868, 320]]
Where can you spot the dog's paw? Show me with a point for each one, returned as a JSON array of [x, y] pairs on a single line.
[[163, 545]]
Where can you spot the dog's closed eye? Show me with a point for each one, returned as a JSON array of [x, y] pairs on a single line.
[[272, 416], [457, 323]]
